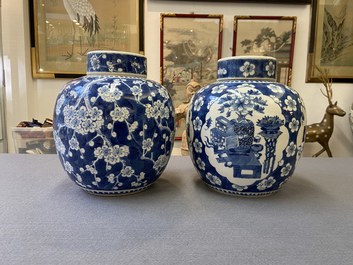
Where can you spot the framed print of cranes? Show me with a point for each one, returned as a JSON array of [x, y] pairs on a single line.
[[63, 31]]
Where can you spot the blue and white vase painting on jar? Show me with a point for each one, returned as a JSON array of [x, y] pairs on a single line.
[[113, 128], [246, 131]]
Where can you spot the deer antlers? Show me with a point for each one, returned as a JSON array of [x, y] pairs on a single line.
[[327, 82]]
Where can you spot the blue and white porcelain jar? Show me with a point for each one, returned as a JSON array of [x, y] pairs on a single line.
[[113, 128], [246, 131]]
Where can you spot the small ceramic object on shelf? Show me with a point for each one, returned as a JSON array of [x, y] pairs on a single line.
[[246, 131], [113, 128]]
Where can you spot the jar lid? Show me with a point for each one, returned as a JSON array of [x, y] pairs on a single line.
[[247, 67], [116, 62]]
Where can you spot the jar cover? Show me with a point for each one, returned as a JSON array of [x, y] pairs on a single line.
[[240, 67], [116, 62]]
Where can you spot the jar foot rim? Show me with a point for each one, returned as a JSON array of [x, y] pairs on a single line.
[[115, 192], [242, 193]]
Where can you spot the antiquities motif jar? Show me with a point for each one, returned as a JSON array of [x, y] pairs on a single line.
[[113, 128], [246, 131]]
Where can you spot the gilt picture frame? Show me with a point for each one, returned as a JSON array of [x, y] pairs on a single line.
[[331, 41], [190, 46], [267, 36], [63, 32]]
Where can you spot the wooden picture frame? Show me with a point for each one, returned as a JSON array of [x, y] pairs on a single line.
[[331, 41], [190, 46], [268, 36], [61, 34]]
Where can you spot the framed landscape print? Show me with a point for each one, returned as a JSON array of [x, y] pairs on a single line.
[[62, 32], [331, 41], [190, 46], [267, 36]]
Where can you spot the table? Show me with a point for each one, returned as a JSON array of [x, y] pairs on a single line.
[[46, 219]]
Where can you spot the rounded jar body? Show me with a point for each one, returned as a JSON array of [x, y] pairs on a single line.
[[246, 131], [113, 128]]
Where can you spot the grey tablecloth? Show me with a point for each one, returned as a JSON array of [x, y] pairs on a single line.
[[46, 219]]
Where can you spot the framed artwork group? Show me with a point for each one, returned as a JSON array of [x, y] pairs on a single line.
[[191, 45]]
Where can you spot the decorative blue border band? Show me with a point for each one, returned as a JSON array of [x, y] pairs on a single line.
[[249, 67], [115, 62]]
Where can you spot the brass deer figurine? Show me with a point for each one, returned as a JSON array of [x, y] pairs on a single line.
[[321, 132]]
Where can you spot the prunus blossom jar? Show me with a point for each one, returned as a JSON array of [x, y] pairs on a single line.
[[113, 128]]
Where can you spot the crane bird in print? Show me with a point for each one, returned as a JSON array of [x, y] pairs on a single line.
[[82, 14]]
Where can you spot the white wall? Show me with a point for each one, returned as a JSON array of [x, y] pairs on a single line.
[[27, 97]]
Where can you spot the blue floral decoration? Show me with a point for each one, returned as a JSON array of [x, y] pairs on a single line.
[[245, 132], [114, 134]]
